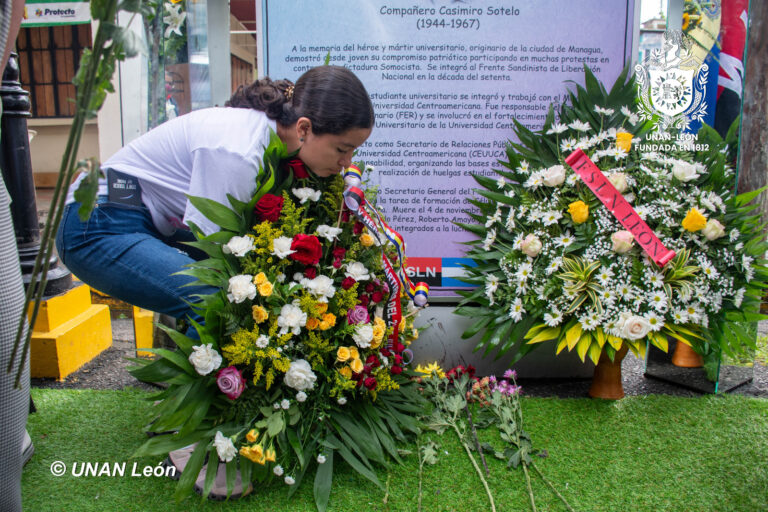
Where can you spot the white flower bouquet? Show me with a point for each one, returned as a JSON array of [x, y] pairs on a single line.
[[553, 263]]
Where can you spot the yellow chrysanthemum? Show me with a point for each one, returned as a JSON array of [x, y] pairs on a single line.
[[430, 369], [321, 307], [265, 289], [366, 240], [342, 354], [694, 220], [346, 372], [259, 314], [312, 323], [259, 278], [579, 211], [356, 365]]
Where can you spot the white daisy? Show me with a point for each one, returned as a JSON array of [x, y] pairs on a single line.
[[654, 320], [606, 111], [490, 237], [568, 145], [564, 240], [557, 128], [580, 126], [554, 265], [516, 310], [551, 217], [658, 299], [554, 318], [523, 166]]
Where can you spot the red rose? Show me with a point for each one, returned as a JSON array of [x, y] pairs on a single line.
[[310, 272], [370, 383], [364, 300], [298, 169], [337, 263], [268, 208], [338, 252], [373, 361], [367, 369], [398, 347], [308, 249], [396, 370], [348, 283], [369, 287], [377, 297], [358, 228], [345, 214], [398, 359], [385, 352]]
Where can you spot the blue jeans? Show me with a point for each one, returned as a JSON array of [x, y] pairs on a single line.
[[119, 252]]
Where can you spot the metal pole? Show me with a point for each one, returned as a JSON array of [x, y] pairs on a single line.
[[17, 172]]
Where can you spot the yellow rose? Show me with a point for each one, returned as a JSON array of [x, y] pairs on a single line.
[[342, 354], [261, 277], [321, 307], [378, 335], [252, 436], [265, 289], [356, 365], [366, 240], [346, 372], [353, 353], [579, 211], [259, 314], [312, 323], [624, 141], [694, 220]]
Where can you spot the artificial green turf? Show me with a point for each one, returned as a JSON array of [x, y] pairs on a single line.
[[653, 453]]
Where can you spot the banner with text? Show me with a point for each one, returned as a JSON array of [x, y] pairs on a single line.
[[44, 13], [446, 80]]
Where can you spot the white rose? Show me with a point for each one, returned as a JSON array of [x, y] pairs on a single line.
[[357, 271], [531, 246], [322, 288], [241, 287], [281, 247], [684, 171], [300, 375], [363, 335], [554, 176], [306, 194], [224, 447], [619, 180], [635, 328], [239, 246], [713, 230], [204, 358], [291, 318], [328, 232]]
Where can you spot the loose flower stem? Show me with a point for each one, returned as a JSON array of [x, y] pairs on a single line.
[[552, 487], [477, 441], [528, 484], [477, 468]]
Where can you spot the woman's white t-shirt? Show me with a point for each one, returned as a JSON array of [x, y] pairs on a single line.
[[209, 153]]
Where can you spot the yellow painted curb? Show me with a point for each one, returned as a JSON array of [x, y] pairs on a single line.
[[69, 332], [143, 326]]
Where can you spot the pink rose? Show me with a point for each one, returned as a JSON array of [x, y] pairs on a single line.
[[531, 246], [622, 241], [230, 382], [358, 315]]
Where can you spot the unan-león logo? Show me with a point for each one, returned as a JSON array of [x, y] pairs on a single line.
[[671, 84]]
